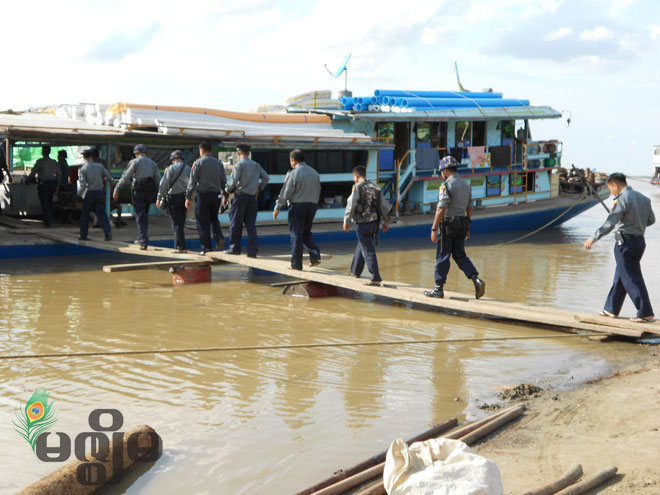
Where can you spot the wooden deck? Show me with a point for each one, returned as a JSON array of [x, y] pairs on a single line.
[[453, 302]]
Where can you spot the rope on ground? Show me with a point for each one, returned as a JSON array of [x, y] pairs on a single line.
[[286, 346]]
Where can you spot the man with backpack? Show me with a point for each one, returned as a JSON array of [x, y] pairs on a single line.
[[172, 197], [367, 208]]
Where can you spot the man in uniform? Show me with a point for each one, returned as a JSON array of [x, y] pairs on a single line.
[[172, 195], [367, 208], [247, 181], [91, 178], [48, 172], [453, 219], [208, 178], [143, 175], [301, 190], [630, 216], [64, 168]]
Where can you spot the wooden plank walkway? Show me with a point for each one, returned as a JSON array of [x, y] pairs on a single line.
[[453, 301]]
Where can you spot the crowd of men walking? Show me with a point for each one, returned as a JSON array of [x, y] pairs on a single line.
[[366, 207]]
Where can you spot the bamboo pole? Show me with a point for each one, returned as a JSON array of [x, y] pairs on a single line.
[[590, 482], [567, 479], [493, 425]]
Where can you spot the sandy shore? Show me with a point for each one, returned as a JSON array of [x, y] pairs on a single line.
[[612, 422]]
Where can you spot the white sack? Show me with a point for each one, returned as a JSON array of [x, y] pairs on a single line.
[[439, 467]]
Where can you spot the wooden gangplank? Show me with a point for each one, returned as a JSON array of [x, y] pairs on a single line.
[[453, 301]]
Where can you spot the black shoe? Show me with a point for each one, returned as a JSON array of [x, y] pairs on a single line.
[[479, 286], [108, 237], [315, 262], [436, 292], [83, 239], [143, 247], [251, 255], [229, 251]]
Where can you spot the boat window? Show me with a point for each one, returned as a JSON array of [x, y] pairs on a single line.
[[493, 185], [385, 131], [439, 135], [479, 133], [657, 151], [423, 132], [463, 134], [508, 128]]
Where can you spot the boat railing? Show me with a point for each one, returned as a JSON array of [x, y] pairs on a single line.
[[536, 155]]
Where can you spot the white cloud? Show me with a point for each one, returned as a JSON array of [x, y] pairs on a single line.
[[429, 37], [596, 34], [558, 34], [654, 32]]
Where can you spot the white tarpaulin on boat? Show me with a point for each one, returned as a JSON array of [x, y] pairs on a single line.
[[439, 466]]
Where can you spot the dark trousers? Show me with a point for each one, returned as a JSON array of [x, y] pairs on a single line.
[[628, 278], [46, 190], [243, 211], [141, 204], [207, 206], [94, 201], [301, 217], [447, 247], [176, 206], [365, 251]]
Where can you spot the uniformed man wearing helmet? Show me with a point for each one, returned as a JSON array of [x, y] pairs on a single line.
[[143, 175], [451, 228], [172, 197]]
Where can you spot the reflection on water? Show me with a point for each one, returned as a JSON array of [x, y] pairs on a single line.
[[278, 420]]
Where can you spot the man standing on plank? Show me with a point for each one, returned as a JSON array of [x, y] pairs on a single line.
[[247, 181], [367, 208], [301, 190], [629, 218], [209, 180]]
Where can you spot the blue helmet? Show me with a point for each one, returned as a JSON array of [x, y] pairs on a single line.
[[448, 162], [176, 154], [140, 148]]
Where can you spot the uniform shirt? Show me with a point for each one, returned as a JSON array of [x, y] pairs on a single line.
[[138, 168], [301, 185], [178, 187], [630, 215], [64, 172], [245, 178], [47, 169], [91, 177], [361, 205], [208, 174], [455, 195]]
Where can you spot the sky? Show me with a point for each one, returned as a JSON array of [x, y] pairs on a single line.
[[596, 61]]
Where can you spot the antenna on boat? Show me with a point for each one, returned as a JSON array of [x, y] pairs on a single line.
[[569, 118], [458, 79], [342, 68]]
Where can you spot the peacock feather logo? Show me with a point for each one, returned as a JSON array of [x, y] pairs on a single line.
[[36, 418]]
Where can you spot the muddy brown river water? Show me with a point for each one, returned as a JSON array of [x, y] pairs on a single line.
[[276, 421]]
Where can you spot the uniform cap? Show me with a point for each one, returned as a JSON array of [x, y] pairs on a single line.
[[87, 152], [176, 154], [448, 162], [140, 148]]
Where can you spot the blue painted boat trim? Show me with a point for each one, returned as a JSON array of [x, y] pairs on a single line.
[[527, 221]]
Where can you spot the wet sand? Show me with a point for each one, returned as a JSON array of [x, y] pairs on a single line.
[[612, 421]]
